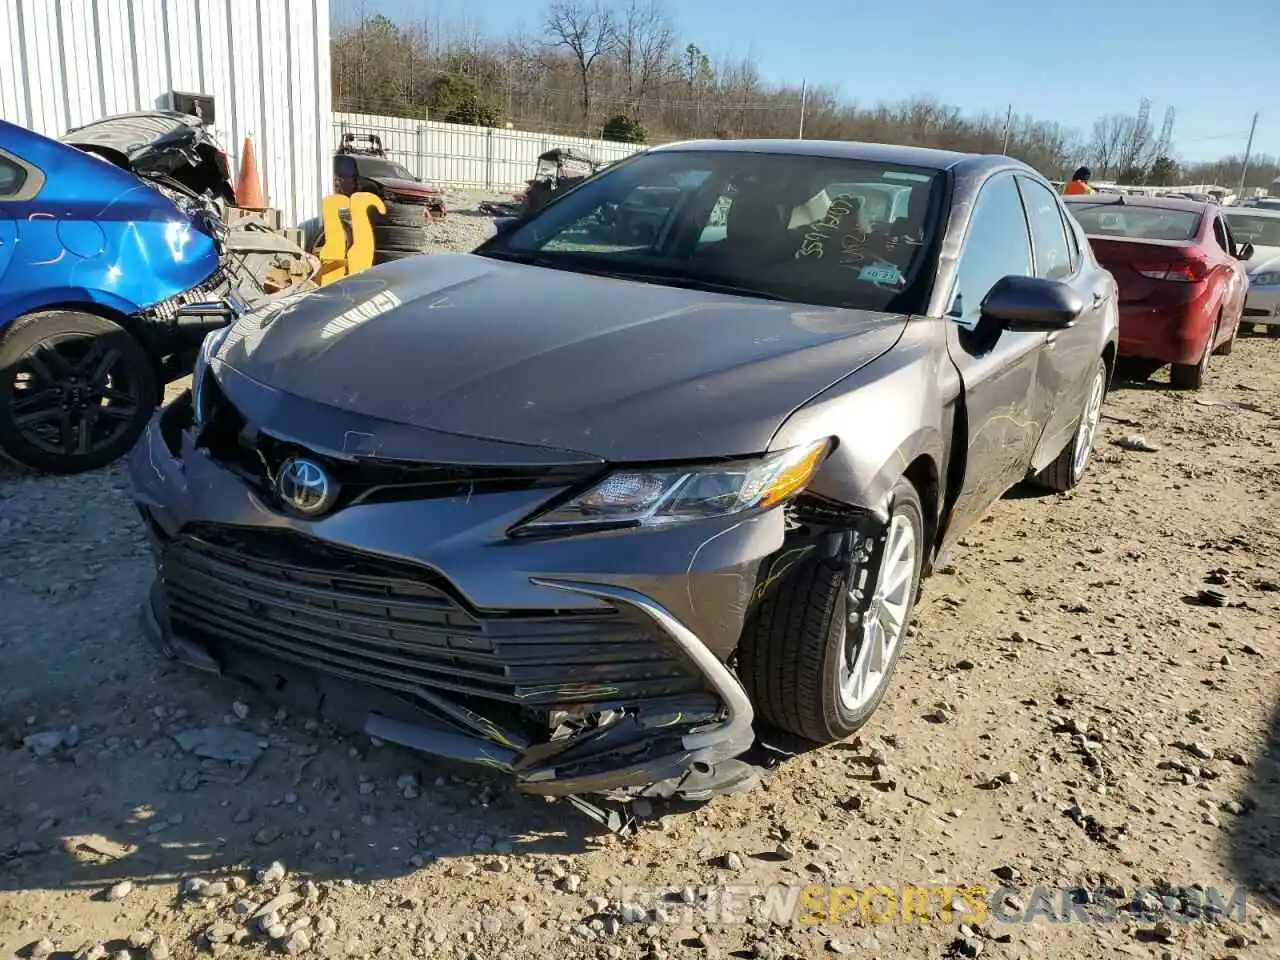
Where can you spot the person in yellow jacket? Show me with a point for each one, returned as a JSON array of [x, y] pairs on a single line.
[[1079, 183]]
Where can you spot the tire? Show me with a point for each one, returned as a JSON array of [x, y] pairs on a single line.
[[39, 355], [400, 238], [793, 651], [1225, 349], [400, 215], [1190, 376], [1273, 330], [386, 256], [1068, 469]]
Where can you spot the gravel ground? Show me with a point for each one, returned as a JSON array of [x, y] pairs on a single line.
[[1072, 710]]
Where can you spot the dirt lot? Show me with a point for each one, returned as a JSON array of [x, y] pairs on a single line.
[[1100, 727]]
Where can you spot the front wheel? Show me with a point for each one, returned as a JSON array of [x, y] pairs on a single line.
[[1068, 469], [76, 391], [818, 656]]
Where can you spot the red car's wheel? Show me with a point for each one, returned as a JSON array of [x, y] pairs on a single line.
[[1190, 376], [1226, 348]]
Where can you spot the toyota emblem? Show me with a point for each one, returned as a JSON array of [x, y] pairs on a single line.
[[305, 487]]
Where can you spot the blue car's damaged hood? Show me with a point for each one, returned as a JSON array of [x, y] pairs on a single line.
[[617, 369]]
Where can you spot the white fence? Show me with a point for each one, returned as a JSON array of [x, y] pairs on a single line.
[[458, 155]]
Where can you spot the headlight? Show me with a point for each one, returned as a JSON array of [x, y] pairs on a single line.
[[208, 347], [1269, 279], [663, 495]]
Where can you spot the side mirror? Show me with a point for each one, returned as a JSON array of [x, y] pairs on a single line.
[[1032, 303], [503, 224], [1245, 251]]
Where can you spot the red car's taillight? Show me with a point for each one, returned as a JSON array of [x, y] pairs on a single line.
[[1184, 271]]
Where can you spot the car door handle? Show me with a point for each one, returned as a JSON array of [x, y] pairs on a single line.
[[1098, 298], [1051, 339]]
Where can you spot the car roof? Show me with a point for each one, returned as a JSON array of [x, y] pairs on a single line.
[[1136, 200], [925, 157]]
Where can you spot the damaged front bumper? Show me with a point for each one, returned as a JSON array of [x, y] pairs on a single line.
[[578, 665]]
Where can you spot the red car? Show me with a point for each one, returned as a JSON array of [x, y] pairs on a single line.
[[1181, 277]]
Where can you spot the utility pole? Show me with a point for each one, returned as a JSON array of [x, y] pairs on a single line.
[[1008, 119], [804, 99], [1248, 149]]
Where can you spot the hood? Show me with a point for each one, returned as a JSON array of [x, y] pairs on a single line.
[[614, 369], [134, 134], [1264, 259], [411, 187], [146, 142]]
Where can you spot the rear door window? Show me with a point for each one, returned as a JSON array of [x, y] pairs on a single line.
[[12, 178], [1220, 235], [1048, 235]]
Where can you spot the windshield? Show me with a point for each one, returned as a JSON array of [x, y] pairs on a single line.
[[378, 167], [1136, 223], [1259, 230], [814, 230]]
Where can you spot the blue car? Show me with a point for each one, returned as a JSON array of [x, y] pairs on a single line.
[[97, 262]]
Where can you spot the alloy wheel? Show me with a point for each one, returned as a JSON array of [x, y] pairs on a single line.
[[1088, 426], [73, 395], [872, 639]]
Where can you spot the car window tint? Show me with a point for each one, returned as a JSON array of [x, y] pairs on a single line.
[[12, 177], [1049, 238], [1220, 235], [782, 226], [631, 223], [1108, 219], [997, 245], [1073, 245], [1233, 247]]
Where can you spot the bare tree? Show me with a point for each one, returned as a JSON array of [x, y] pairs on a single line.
[[586, 55], [588, 32], [645, 41], [1109, 136], [1123, 145], [1137, 149]]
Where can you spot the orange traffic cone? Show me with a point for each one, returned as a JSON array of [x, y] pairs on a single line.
[[249, 185]]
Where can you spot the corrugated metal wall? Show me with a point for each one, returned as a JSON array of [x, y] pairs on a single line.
[[464, 156], [64, 63]]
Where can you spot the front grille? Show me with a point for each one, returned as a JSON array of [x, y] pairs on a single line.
[[398, 626], [213, 287]]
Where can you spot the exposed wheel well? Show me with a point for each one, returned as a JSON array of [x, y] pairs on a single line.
[[1109, 358], [131, 324], [923, 474]]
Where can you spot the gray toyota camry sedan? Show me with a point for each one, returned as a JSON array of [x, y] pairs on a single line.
[[599, 501]]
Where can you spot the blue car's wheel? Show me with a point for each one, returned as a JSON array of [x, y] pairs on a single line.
[[76, 391]]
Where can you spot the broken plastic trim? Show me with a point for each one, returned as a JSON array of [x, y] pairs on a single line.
[[723, 682]]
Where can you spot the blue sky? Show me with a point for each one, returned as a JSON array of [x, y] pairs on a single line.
[[1069, 62]]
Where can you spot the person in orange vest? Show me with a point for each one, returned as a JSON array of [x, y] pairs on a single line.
[[1079, 182]]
